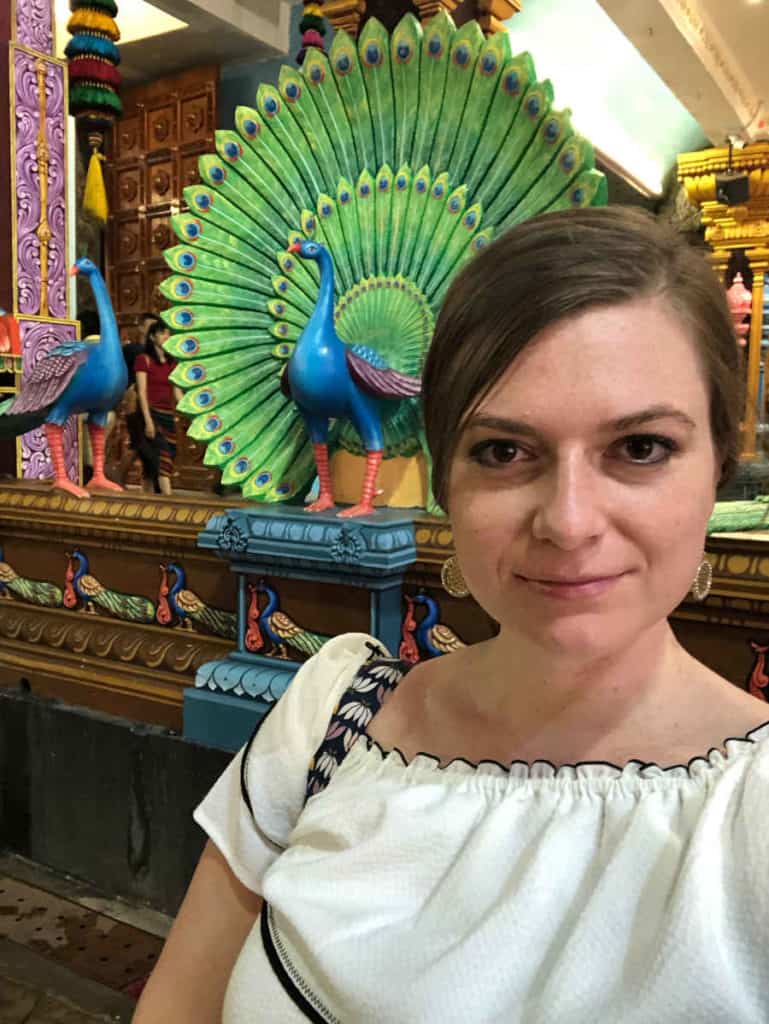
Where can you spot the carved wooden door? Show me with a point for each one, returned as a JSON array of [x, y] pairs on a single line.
[[167, 125]]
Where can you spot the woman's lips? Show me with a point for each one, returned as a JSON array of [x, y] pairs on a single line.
[[592, 586]]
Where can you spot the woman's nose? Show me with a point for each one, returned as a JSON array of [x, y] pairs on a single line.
[[570, 504]]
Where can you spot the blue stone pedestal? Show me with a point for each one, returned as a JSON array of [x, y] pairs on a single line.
[[232, 695]]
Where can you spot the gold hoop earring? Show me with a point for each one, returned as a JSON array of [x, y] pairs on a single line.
[[703, 580], [452, 579]]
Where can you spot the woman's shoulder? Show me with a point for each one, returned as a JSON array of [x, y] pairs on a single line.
[[327, 675], [142, 362]]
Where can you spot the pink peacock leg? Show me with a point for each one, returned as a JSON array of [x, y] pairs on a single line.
[[326, 497], [55, 434], [366, 504], [97, 447]]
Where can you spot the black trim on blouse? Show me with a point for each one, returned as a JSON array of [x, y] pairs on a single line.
[[282, 974], [246, 752]]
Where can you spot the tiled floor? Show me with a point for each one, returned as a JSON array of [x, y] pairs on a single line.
[[69, 955]]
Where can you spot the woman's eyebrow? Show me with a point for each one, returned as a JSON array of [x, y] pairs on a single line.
[[654, 412], [635, 419]]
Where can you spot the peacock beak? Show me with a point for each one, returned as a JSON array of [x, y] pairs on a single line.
[[296, 247], [74, 271]]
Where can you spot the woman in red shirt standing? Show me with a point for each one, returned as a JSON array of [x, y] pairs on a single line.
[[157, 400]]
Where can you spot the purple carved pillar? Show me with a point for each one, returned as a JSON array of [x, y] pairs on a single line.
[[33, 242]]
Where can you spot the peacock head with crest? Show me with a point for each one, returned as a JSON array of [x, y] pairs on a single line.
[[84, 266], [309, 250]]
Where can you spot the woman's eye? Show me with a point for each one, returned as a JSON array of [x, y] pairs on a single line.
[[495, 453], [648, 449]]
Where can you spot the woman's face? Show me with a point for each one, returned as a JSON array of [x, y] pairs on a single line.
[[162, 336], [581, 488]]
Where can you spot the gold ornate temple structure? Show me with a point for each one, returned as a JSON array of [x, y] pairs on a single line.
[[729, 229], [490, 14]]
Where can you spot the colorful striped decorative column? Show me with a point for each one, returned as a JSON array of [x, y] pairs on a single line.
[[94, 80], [313, 28]]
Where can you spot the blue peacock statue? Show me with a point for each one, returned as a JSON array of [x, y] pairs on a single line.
[[276, 627], [81, 586], [74, 377], [176, 601], [316, 253], [428, 638]]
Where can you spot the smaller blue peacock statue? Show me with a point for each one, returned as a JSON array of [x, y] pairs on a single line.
[[177, 602], [316, 253], [74, 377], [429, 637], [81, 586], [274, 626]]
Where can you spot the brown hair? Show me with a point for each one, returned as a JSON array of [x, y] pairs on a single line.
[[554, 266]]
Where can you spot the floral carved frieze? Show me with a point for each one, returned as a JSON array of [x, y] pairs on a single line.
[[55, 142], [27, 191], [34, 25], [40, 182]]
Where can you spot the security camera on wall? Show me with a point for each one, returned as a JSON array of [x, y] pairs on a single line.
[[732, 188]]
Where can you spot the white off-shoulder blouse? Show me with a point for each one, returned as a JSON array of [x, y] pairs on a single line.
[[408, 893]]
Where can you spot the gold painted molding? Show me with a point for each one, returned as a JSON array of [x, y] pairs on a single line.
[[738, 236], [162, 652], [434, 540], [732, 227], [27, 507], [48, 57], [716, 159]]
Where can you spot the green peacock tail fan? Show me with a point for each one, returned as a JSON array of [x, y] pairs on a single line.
[[347, 151]]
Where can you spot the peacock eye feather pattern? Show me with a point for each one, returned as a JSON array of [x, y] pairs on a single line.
[[335, 209]]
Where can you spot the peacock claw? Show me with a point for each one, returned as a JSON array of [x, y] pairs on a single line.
[[362, 509], [102, 483], [323, 504], [70, 488]]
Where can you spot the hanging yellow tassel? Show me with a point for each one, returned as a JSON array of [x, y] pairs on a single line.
[[95, 195]]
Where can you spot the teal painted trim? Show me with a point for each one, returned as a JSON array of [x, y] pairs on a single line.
[[278, 540], [247, 676], [218, 720]]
